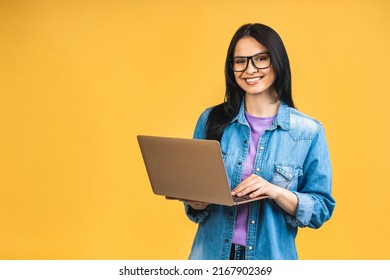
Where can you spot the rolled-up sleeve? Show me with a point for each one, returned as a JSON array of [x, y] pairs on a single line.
[[315, 202], [197, 216]]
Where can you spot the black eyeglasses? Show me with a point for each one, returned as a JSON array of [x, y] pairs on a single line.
[[260, 60]]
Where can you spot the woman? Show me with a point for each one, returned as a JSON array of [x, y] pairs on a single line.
[[269, 148]]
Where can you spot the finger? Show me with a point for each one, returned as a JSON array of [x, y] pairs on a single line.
[[257, 193], [250, 179], [198, 205], [240, 187], [249, 189], [247, 183]]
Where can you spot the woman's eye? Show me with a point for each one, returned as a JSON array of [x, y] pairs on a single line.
[[240, 61], [261, 58]]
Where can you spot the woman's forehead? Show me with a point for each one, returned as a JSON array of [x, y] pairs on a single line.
[[248, 46]]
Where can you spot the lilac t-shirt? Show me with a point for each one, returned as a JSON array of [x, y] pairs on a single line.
[[258, 126]]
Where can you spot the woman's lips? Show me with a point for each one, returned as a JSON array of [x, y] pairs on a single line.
[[252, 80]]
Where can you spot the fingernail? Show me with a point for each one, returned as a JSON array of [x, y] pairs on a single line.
[[233, 193]]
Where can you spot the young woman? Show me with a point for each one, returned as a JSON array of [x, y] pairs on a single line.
[[269, 148]]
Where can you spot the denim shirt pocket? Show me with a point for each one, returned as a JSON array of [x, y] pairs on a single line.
[[286, 175]]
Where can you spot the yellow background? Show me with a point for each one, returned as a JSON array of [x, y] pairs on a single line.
[[80, 79]]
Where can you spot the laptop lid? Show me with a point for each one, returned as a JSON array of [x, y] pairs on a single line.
[[190, 169]]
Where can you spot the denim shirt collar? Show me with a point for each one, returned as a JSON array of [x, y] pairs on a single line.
[[282, 118]]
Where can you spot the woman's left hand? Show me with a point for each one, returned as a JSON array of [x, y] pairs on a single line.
[[256, 186]]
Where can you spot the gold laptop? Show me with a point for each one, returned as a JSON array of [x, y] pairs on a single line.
[[189, 169]]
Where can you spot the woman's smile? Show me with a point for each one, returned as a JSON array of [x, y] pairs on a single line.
[[253, 80]]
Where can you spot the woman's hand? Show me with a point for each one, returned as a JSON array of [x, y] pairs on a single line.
[[255, 186], [197, 205]]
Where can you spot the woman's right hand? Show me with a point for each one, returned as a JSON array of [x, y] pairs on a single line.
[[197, 205]]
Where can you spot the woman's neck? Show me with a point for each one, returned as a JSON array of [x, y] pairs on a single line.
[[261, 105]]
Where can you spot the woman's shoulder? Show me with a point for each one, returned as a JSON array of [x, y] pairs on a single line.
[[212, 117], [205, 113], [303, 126], [215, 109], [200, 128]]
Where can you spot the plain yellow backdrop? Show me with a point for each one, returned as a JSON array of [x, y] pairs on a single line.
[[80, 79]]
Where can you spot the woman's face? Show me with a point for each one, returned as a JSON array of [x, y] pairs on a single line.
[[254, 81]]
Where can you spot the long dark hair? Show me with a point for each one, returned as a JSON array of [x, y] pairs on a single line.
[[222, 114]]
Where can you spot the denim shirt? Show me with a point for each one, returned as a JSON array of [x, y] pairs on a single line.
[[292, 154]]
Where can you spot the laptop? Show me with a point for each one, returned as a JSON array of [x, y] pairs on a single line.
[[188, 169]]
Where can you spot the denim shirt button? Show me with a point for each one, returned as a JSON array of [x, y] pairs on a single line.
[[227, 240], [239, 163], [253, 222], [257, 169], [261, 148], [250, 248]]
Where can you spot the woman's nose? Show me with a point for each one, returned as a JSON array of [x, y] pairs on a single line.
[[251, 67]]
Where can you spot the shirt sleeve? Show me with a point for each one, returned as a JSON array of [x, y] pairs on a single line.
[[315, 202], [197, 216]]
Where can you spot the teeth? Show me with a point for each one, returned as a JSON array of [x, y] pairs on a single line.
[[251, 80]]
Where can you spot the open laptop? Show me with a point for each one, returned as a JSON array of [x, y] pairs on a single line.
[[188, 169]]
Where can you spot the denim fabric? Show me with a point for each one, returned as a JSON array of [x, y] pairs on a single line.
[[292, 154]]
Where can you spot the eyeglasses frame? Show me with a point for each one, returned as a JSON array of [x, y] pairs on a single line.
[[251, 59]]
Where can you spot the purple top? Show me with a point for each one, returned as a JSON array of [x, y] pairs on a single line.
[[258, 126]]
